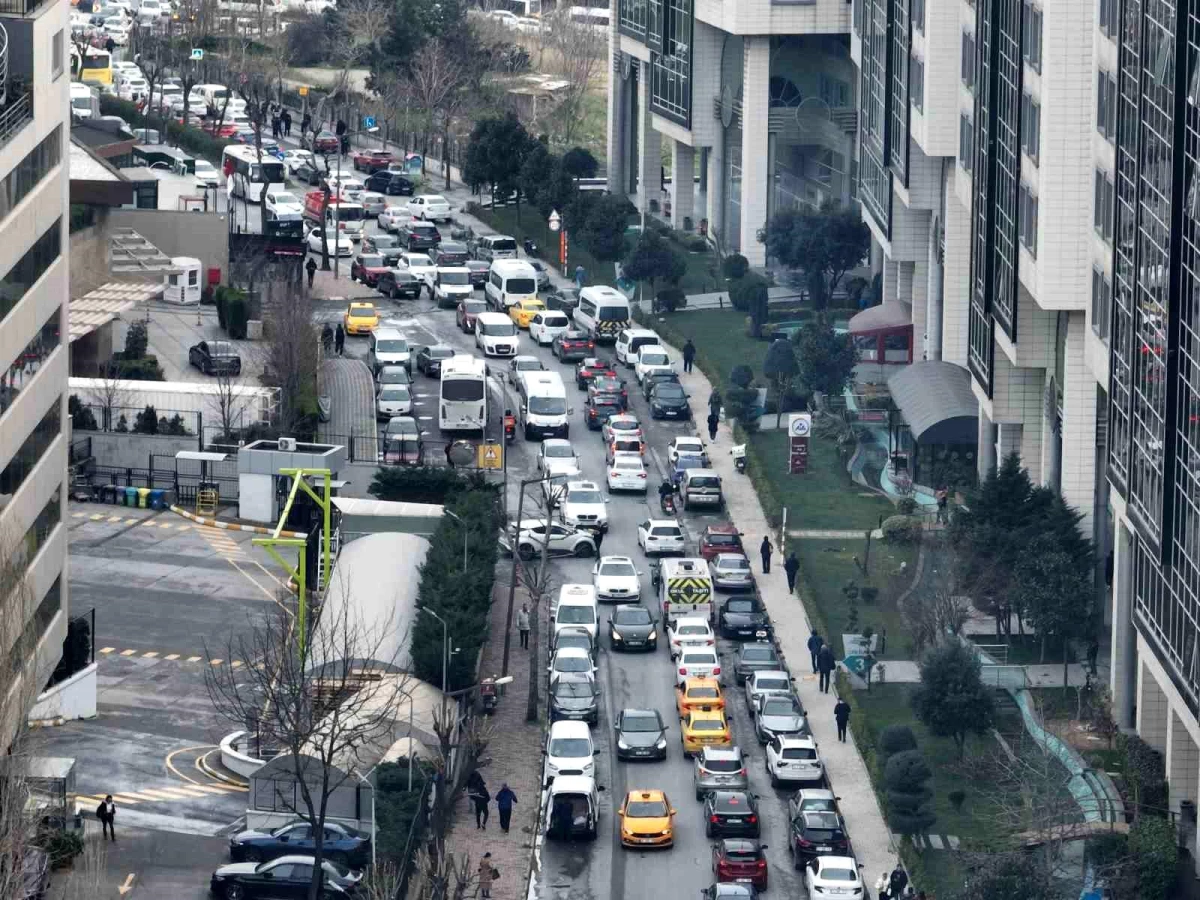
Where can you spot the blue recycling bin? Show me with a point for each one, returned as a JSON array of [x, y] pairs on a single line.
[[158, 499], [131, 497]]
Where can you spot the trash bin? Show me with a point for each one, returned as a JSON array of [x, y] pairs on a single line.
[[143, 495], [156, 499], [106, 493], [131, 495]]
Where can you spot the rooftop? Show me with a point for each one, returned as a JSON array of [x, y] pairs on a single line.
[[101, 306]]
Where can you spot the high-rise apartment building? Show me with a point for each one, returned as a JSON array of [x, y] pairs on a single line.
[[34, 347]]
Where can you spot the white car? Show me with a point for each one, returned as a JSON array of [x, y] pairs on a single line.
[[546, 326], [793, 759], [572, 659], [627, 473], [617, 578], [393, 217], [134, 89], [393, 400], [763, 683], [563, 540], [122, 66], [556, 456], [651, 356], [689, 631], [624, 425], [661, 536], [294, 159], [419, 264], [830, 876], [697, 662], [431, 207], [339, 244], [569, 749], [349, 190], [584, 506], [684, 445], [283, 203], [206, 174]]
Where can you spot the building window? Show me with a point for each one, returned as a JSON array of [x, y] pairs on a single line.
[[1103, 213], [632, 18], [56, 54], [29, 362], [29, 268], [916, 86], [1031, 126], [1109, 17], [671, 70], [1027, 215], [1101, 304], [968, 61], [834, 91], [30, 171], [966, 143], [31, 451], [36, 627], [1106, 105], [918, 15], [1031, 37]]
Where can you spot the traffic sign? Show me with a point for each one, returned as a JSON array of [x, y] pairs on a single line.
[[491, 455], [303, 90], [799, 424], [799, 428], [859, 665], [368, 122], [197, 54]]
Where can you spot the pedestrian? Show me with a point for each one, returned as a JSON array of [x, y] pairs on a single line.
[[1093, 653], [340, 128], [943, 499], [276, 125], [311, 268], [689, 355], [841, 714], [110, 45], [898, 882], [598, 539], [339, 339], [881, 887], [487, 875], [287, 123], [714, 402], [305, 123], [713, 422], [815, 643], [475, 782], [825, 666], [504, 802], [792, 567], [327, 338], [106, 812], [764, 550], [523, 626], [580, 276], [481, 798]]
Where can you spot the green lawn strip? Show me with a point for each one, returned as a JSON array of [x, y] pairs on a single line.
[[720, 338], [827, 566]]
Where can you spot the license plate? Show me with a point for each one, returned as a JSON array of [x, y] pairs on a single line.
[[743, 880], [824, 849], [646, 840], [761, 634], [642, 752], [733, 821]]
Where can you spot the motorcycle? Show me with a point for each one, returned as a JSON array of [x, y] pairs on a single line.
[[666, 502], [739, 458], [530, 246], [510, 429], [488, 696]]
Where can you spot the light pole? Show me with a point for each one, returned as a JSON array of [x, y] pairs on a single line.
[[368, 783], [445, 649], [556, 227], [336, 206], [464, 531]]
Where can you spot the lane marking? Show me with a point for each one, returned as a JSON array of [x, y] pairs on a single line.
[[151, 655], [128, 652], [172, 656], [107, 649], [193, 659], [215, 662]]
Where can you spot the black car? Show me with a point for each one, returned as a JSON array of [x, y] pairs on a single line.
[[572, 345], [429, 359], [288, 876], [574, 696], [215, 358], [632, 627], [310, 173], [743, 618], [669, 401], [449, 253], [755, 657], [396, 283], [655, 377], [419, 235], [607, 384], [641, 734], [479, 272], [598, 409], [731, 814], [391, 183], [817, 834], [341, 844], [562, 299]]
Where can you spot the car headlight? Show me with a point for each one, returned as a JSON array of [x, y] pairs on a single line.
[[662, 744], [616, 636], [653, 636], [621, 745]]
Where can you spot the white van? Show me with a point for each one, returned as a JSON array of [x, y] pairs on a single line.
[[491, 247], [603, 312], [214, 95], [82, 101], [389, 347], [576, 609], [630, 341], [543, 411], [509, 282], [495, 334]]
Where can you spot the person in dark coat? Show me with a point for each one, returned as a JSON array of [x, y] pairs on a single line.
[[110, 45], [106, 812], [311, 268], [339, 339], [898, 882], [764, 550], [713, 422], [714, 402], [825, 666], [286, 119], [792, 567], [305, 124], [815, 643], [841, 714], [504, 803], [689, 355], [481, 798]]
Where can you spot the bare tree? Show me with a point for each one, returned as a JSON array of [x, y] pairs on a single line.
[[364, 25], [87, 876], [110, 393], [321, 698], [579, 50], [443, 876], [229, 402], [936, 611], [436, 78], [291, 355]]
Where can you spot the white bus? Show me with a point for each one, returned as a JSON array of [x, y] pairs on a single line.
[[463, 400], [251, 175]]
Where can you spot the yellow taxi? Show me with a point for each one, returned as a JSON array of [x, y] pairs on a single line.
[[697, 692], [705, 727], [647, 820], [360, 318], [524, 310]]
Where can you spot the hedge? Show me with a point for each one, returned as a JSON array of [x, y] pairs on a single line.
[[192, 139]]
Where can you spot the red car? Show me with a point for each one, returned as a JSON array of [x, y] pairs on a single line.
[[592, 367], [227, 130], [716, 539], [367, 267], [740, 860], [372, 160], [464, 317], [572, 345], [325, 142]]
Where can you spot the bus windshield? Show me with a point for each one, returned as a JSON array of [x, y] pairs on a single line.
[[266, 173], [345, 212], [96, 61], [460, 390]]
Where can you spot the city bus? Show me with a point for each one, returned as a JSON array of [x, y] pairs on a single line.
[[251, 175], [96, 67], [462, 405]]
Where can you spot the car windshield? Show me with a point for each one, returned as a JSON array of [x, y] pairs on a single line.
[[723, 765], [558, 451], [830, 874], [554, 321], [741, 856], [772, 684], [640, 722], [705, 481], [799, 753], [504, 245], [221, 348], [646, 809], [758, 654], [572, 664], [823, 820], [708, 725], [695, 629], [388, 345], [520, 286], [666, 531], [474, 307], [653, 358], [571, 748], [738, 563], [385, 240], [417, 260], [405, 427], [399, 392], [566, 689], [362, 310], [547, 406], [285, 197], [670, 391], [349, 213], [617, 569], [585, 496], [575, 615], [780, 706], [454, 277], [702, 659], [500, 329], [719, 539], [739, 606], [731, 804], [633, 465], [702, 693], [632, 617], [439, 353]]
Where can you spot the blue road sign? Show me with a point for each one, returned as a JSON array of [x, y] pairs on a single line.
[[368, 121], [859, 664]]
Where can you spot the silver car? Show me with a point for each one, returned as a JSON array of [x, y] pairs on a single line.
[[731, 572], [760, 684], [719, 769], [779, 715]]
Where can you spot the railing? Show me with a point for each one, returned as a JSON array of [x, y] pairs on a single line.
[[3, 65], [19, 7], [16, 115], [80, 451], [998, 653], [1007, 677]]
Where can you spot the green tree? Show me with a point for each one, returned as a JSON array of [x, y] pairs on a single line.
[[603, 228], [653, 257], [825, 243], [1009, 876], [780, 369], [749, 294], [495, 156], [137, 341], [735, 266], [909, 799], [1153, 844], [1054, 592], [146, 421], [826, 358], [740, 397], [578, 162], [952, 700]]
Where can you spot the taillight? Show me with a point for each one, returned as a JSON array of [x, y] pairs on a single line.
[[683, 671], [752, 819], [641, 474], [708, 643], [743, 771], [803, 843], [713, 819], [761, 864], [717, 670]]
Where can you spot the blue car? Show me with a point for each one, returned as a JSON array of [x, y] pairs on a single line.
[[342, 845], [682, 464]]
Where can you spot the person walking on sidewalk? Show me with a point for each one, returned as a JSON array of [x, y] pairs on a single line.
[[841, 714], [580, 276], [339, 339], [689, 355], [481, 798], [311, 268], [764, 550], [881, 887], [523, 626], [504, 803], [791, 566], [286, 118], [714, 402], [106, 812], [486, 876], [943, 501], [815, 643], [713, 422], [898, 882], [305, 123], [825, 666], [1093, 654]]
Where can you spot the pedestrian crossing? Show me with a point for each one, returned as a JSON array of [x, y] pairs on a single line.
[[145, 522], [162, 794], [167, 657], [932, 841]]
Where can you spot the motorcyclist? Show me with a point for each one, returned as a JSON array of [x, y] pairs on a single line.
[[510, 422], [665, 490]]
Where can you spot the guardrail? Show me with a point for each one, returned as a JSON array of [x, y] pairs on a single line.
[[1013, 678]]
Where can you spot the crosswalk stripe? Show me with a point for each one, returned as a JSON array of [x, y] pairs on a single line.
[[160, 794], [171, 656], [215, 662], [96, 517], [107, 649], [193, 659], [150, 655], [235, 664], [213, 788], [114, 518], [166, 525], [132, 521], [78, 515], [128, 652]]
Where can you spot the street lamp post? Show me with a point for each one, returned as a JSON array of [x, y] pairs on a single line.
[[445, 649], [556, 226], [336, 206], [464, 531]]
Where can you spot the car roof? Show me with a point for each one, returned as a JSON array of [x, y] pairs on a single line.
[[728, 753], [729, 557], [646, 794], [755, 645], [700, 714], [805, 742], [770, 673], [687, 439], [569, 728], [584, 486], [616, 559], [720, 528], [697, 681], [838, 862], [639, 711], [740, 844], [557, 442]]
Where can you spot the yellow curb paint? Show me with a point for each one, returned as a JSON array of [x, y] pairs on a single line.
[[151, 655], [235, 664], [193, 659], [215, 662]]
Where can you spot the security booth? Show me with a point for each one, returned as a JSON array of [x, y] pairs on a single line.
[[262, 490], [48, 783]]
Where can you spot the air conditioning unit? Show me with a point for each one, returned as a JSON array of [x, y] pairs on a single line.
[[287, 445]]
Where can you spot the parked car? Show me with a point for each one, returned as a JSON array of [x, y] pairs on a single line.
[[731, 572], [215, 358], [287, 876], [825, 875], [464, 315], [655, 377], [574, 696], [432, 207], [391, 183], [392, 218], [755, 657], [668, 400], [325, 142], [342, 844], [779, 715], [397, 283], [722, 538], [448, 254], [816, 833], [372, 160], [367, 267], [632, 627], [416, 235], [743, 618]]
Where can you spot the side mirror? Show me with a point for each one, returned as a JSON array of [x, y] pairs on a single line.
[[763, 847], [600, 788], [673, 811], [596, 752]]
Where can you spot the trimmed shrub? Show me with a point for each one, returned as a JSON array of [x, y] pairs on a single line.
[[901, 529], [137, 341], [237, 314], [146, 421], [735, 266], [82, 418], [422, 484], [670, 299], [909, 809], [1153, 844], [906, 506]]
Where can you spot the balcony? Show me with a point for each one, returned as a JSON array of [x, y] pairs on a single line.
[[809, 120], [20, 7], [16, 95]]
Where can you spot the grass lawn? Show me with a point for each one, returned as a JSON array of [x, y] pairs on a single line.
[[826, 567], [720, 338]]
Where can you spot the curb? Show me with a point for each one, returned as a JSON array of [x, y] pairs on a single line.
[[207, 769], [231, 526]]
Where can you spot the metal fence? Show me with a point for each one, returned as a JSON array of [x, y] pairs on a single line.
[[371, 447], [183, 485]]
